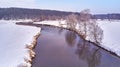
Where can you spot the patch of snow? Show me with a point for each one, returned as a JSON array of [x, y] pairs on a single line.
[[15, 21], [58, 23], [55, 23], [13, 41], [111, 36]]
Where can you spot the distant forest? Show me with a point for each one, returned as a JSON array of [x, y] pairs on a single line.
[[39, 15]]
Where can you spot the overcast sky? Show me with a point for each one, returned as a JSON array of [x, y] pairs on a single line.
[[96, 6]]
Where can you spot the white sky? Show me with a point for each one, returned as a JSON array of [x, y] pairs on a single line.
[[18, 3]]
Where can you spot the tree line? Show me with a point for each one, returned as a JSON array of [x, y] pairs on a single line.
[[39, 15], [34, 14], [112, 16]]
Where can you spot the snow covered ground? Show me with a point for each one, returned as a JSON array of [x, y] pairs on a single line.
[[111, 36], [14, 38], [110, 29], [13, 41], [60, 23]]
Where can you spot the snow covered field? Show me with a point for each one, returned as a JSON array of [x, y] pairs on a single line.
[[111, 36], [111, 33], [14, 38], [13, 41]]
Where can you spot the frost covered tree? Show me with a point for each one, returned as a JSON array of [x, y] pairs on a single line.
[[71, 21], [85, 15], [84, 19], [95, 33], [85, 26], [89, 28]]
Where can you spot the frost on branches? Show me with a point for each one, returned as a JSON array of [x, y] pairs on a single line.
[[88, 28]]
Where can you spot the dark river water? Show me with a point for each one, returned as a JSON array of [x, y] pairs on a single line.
[[58, 47]]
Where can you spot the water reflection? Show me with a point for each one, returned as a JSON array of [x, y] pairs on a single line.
[[52, 29], [70, 38], [85, 51], [88, 53], [52, 50], [60, 30]]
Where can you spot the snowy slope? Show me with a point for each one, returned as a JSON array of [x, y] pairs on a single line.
[[13, 41], [111, 36]]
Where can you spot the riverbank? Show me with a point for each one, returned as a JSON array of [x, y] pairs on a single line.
[[58, 47], [108, 42], [17, 43]]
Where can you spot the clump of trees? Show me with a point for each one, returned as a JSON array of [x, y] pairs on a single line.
[[88, 28]]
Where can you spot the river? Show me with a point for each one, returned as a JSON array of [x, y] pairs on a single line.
[[57, 47]]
